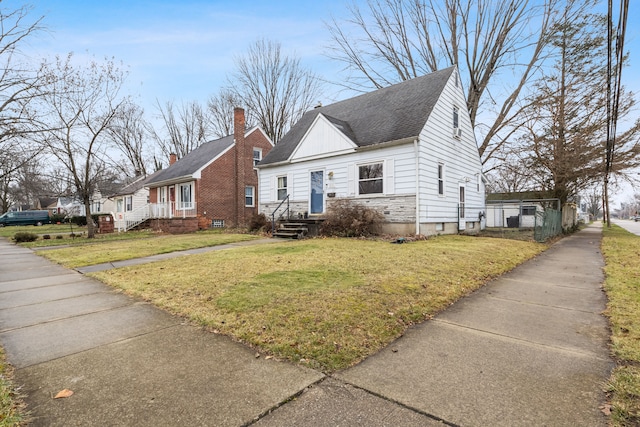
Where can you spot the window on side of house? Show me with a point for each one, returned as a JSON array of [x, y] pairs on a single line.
[[440, 179], [257, 155], [119, 203], [249, 193], [370, 178], [282, 187], [186, 196], [162, 195], [528, 210], [456, 116], [128, 203]]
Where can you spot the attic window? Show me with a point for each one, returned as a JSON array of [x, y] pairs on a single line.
[[370, 179], [257, 155]]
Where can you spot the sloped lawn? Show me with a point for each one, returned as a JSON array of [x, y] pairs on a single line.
[[327, 303]]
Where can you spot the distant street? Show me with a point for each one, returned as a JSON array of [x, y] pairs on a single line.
[[630, 226]]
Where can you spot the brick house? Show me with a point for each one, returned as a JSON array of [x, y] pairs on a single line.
[[213, 185]]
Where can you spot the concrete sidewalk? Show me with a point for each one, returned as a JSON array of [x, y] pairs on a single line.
[[528, 349]]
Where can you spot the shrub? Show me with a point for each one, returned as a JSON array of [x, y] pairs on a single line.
[[347, 219], [59, 236], [258, 222], [57, 218], [46, 237], [25, 236]]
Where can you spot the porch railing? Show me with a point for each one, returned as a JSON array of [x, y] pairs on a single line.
[[125, 221], [280, 207], [173, 210]]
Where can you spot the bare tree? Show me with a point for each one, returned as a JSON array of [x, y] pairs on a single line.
[[20, 85], [396, 40], [129, 133], [274, 88], [221, 107], [81, 104], [184, 128]]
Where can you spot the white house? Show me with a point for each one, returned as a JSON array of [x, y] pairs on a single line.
[[131, 203], [407, 150]]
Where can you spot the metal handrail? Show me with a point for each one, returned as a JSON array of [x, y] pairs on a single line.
[[273, 214]]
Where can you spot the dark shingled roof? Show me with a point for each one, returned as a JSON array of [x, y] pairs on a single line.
[[135, 185], [389, 114], [193, 161]]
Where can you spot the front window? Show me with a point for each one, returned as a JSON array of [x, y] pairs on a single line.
[[186, 196], [257, 155], [370, 179], [119, 205], [248, 196], [162, 195], [128, 203], [528, 210], [282, 187]]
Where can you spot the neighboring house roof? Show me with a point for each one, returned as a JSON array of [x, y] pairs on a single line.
[[193, 161], [136, 185], [389, 114], [47, 201], [519, 195]]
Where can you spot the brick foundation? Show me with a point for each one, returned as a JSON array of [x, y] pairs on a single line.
[[175, 225]]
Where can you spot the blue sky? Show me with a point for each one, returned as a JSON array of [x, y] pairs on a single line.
[[183, 50]]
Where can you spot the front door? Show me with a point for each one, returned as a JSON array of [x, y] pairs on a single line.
[[462, 224], [317, 192]]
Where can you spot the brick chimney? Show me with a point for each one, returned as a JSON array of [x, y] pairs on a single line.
[[172, 158], [240, 150]]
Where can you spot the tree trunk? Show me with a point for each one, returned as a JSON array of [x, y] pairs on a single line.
[[91, 231]]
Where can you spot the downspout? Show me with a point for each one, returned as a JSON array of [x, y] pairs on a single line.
[[416, 153]]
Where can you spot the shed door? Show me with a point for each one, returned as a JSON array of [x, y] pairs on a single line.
[[316, 199]]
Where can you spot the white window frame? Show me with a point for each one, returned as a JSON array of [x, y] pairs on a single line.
[[162, 194], [185, 205], [441, 181], [258, 151], [128, 203], [381, 178], [280, 188], [252, 196]]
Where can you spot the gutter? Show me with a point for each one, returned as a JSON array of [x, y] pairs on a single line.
[[178, 180], [417, 156]]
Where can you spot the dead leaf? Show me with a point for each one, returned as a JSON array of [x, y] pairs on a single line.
[[63, 393], [606, 409]]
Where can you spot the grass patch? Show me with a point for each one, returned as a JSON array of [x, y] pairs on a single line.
[[98, 252], [80, 238], [621, 251], [326, 302], [44, 229], [11, 408]]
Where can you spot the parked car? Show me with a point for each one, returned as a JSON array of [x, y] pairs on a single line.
[[25, 218]]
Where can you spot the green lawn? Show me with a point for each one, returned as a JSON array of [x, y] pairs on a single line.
[[97, 251], [621, 250], [11, 409], [44, 229], [327, 303]]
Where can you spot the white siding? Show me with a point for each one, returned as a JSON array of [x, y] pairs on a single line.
[[459, 157], [321, 140], [397, 179]]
